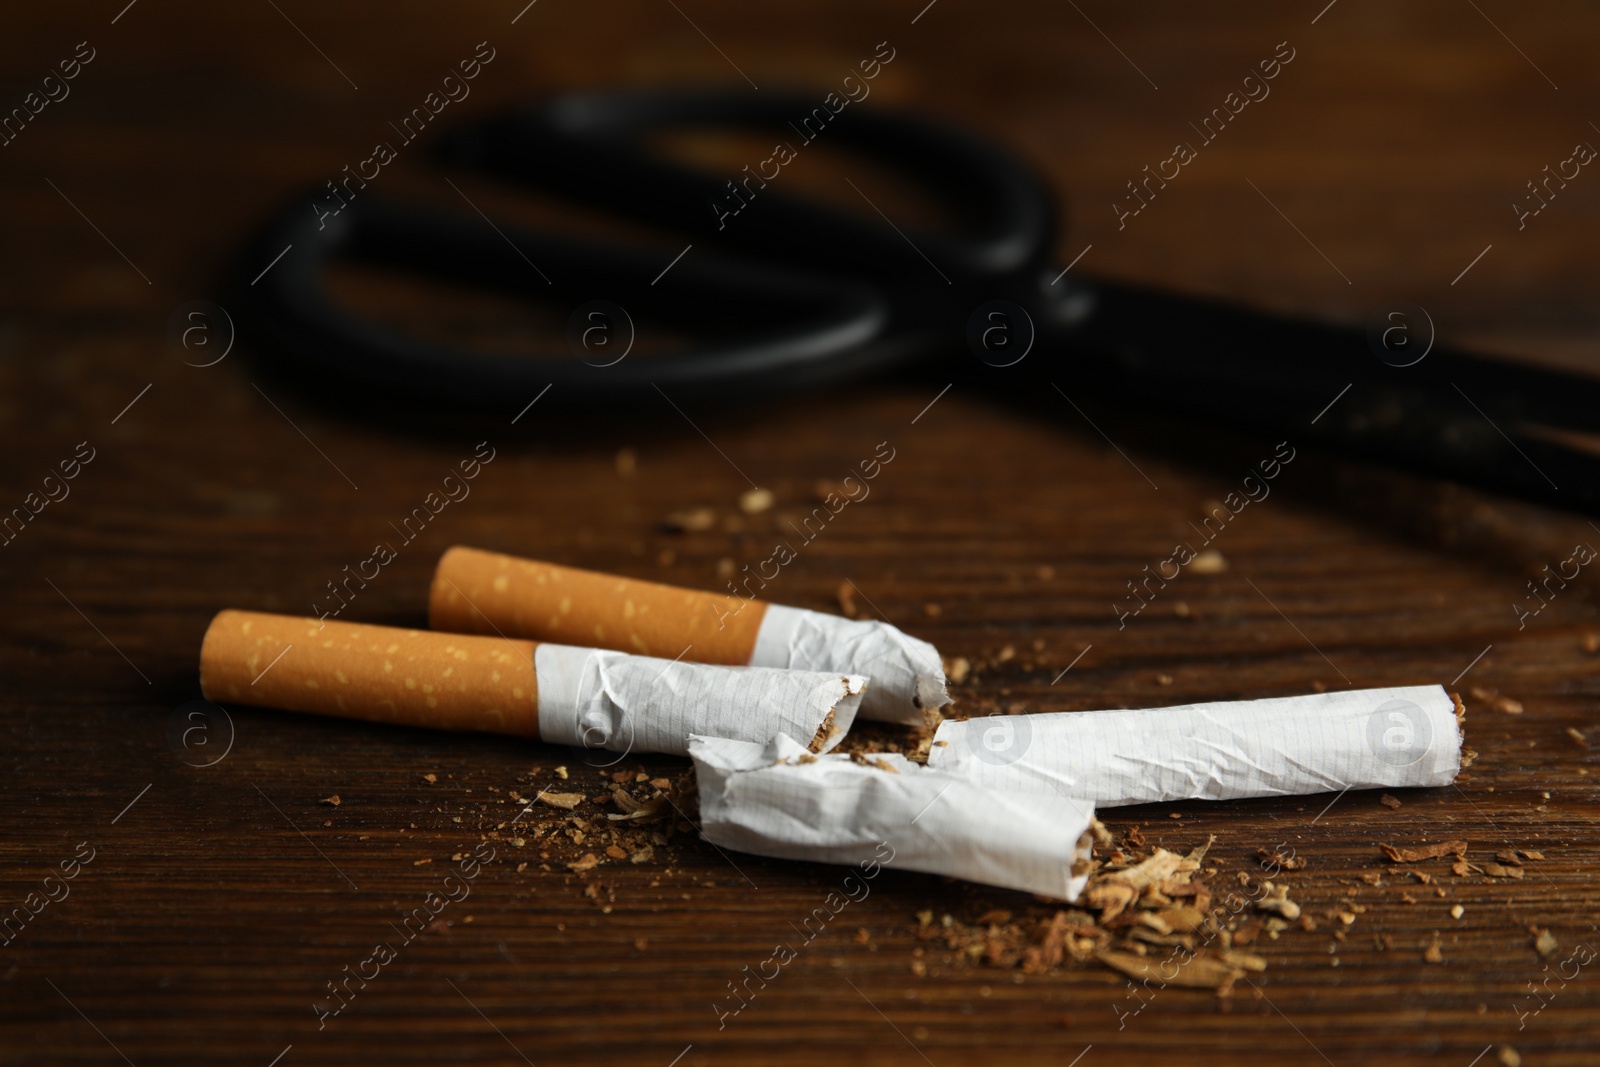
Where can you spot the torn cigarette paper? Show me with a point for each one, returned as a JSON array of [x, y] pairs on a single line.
[[594, 698], [490, 593], [597, 698], [1282, 746], [779, 800], [907, 674]]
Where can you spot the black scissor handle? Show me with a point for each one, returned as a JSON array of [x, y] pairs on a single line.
[[813, 295], [792, 330], [591, 148]]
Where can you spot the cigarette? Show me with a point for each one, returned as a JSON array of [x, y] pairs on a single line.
[[486, 592], [779, 800], [588, 697], [1284, 746]]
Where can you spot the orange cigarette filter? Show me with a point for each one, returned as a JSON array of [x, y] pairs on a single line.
[[486, 592], [593, 698], [381, 673]]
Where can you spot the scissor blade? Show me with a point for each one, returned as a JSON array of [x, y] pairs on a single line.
[[1451, 414]]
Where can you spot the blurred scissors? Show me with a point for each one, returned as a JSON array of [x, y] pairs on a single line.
[[799, 295]]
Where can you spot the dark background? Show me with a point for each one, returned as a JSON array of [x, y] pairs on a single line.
[[220, 902]]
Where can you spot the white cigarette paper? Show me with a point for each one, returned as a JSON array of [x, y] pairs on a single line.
[[1283, 746], [490, 593], [597, 698], [907, 674], [779, 800]]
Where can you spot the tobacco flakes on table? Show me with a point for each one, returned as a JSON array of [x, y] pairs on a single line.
[[564, 801], [1424, 852], [1137, 912], [1273, 859], [1275, 899], [690, 520]]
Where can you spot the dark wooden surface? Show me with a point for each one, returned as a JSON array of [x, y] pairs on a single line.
[[218, 905]]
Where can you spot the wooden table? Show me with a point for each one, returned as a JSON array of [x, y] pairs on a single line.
[[221, 899]]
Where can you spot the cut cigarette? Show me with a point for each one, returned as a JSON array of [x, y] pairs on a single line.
[[486, 592], [588, 697], [1284, 746], [779, 800]]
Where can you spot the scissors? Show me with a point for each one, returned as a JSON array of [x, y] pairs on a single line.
[[790, 294]]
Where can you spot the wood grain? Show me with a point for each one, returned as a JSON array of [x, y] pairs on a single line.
[[221, 899]]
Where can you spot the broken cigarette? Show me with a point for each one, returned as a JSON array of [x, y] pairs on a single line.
[[486, 592], [1283, 746], [777, 799], [588, 697]]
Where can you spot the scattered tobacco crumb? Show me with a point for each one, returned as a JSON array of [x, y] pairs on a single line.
[[1544, 942], [1388, 801], [1208, 562], [691, 520], [1508, 1056], [755, 501], [1577, 736], [1201, 971], [1276, 900], [332, 802], [846, 595], [430, 778], [1272, 858], [1507, 706], [1433, 953], [1424, 852], [1139, 910]]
